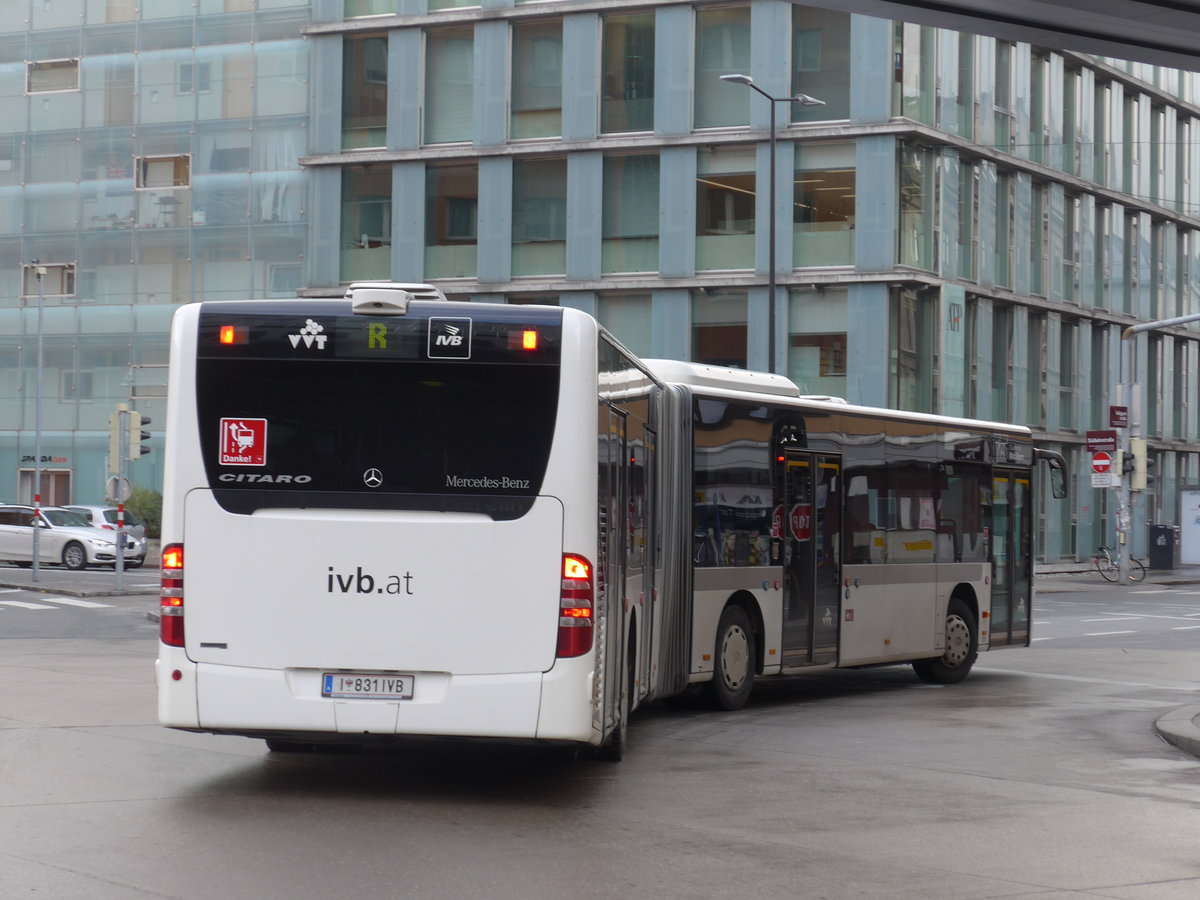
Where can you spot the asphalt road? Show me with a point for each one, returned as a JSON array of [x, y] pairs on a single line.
[[1040, 777]]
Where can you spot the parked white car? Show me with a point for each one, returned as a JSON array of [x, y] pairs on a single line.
[[135, 530], [65, 538]]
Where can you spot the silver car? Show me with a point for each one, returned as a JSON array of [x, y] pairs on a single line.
[[65, 537], [135, 530]]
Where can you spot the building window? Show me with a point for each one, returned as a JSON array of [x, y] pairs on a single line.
[[51, 75], [719, 328], [722, 48], [58, 280], [968, 213], [627, 92], [449, 85], [539, 216], [725, 200], [917, 183], [1002, 323], [628, 317], [820, 63], [1003, 105], [630, 226], [366, 223], [823, 198], [157, 172], [536, 80], [1005, 228], [364, 92], [912, 335], [194, 78], [1068, 390], [451, 220], [76, 385]]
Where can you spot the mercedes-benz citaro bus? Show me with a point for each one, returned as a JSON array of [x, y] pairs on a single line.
[[393, 515]]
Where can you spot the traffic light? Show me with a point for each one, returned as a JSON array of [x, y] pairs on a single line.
[[136, 448], [114, 436], [1141, 463], [1125, 462]]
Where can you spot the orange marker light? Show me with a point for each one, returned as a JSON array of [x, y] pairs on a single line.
[[529, 340], [227, 334]]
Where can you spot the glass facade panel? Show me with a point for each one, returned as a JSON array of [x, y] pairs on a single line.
[[366, 223], [722, 48], [823, 198], [536, 80], [916, 58], [539, 225], [628, 317], [725, 199], [449, 85], [917, 207], [821, 63], [627, 99], [364, 92], [630, 226], [451, 220]]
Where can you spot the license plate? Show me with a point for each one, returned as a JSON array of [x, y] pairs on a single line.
[[367, 685]]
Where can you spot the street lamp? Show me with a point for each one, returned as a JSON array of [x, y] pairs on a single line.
[[803, 100]]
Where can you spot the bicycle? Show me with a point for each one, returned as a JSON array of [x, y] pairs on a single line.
[[1110, 569]]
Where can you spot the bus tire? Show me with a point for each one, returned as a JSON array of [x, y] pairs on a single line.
[[613, 748], [962, 646], [733, 660]]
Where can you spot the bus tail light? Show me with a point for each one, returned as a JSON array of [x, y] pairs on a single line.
[[576, 606], [170, 627]]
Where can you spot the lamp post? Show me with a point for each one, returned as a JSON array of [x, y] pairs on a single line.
[[40, 271], [803, 100]]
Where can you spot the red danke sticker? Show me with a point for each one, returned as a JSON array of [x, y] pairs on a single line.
[[243, 442]]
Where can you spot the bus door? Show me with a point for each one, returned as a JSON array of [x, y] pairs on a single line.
[[612, 564], [1012, 570], [812, 557]]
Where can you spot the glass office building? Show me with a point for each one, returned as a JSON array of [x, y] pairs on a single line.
[[964, 226]]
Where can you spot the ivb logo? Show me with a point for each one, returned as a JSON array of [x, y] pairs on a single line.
[[449, 338]]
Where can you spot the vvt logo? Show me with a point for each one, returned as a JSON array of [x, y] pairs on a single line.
[[449, 338]]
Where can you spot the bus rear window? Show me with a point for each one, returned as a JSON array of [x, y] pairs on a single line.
[[398, 430]]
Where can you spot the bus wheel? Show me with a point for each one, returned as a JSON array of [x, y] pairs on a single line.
[[613, 748], [962, 646], [733, 669]]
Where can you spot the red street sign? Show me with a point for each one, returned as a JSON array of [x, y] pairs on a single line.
[[1118, 417], [1101, 463], [1098, 441]]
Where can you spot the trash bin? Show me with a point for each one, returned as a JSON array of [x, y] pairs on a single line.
[[1164, 547]]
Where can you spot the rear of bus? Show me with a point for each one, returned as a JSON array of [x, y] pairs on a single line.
[[365, 527]]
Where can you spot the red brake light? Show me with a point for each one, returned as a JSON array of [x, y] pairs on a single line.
[[170, 609], [576, 606], [231, 334]]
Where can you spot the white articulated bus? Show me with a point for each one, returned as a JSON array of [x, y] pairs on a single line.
[[394, 515]]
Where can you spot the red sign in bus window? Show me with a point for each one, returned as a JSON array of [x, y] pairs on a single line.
[[243, 442]]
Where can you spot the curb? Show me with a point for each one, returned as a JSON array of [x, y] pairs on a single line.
[[1178, 727]]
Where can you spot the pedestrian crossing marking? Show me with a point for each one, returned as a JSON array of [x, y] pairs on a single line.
[[72, 601], [62, 601]]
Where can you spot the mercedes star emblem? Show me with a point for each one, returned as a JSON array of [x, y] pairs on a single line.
[[372, 478]]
